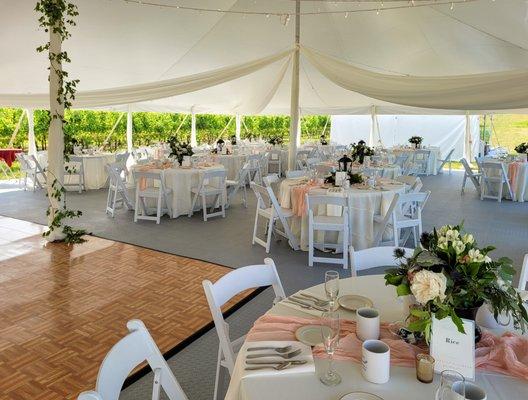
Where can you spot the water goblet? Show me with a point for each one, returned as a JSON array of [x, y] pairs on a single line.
[[332, 288]]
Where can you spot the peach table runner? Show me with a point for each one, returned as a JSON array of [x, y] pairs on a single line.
[[298, 197], [507, 354]]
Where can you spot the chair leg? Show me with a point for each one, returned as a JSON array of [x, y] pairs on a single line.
[[245, 197], [136, 208], [158, 210], [204, 207], [501, 186], [270, 232], [193, 204], [395, 233], [310, 245], [463, 183], [217, 377], [223, 204], [345, 247], [255, 226]]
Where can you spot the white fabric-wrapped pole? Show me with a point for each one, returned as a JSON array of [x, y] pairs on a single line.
[[194, 142], [468, 142], [55, 136], [373, 126], [32, 146], [129, 130], [295, 137], [238, 126]]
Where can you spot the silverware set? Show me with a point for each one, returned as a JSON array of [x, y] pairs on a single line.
[[286, 353], [308, 302]]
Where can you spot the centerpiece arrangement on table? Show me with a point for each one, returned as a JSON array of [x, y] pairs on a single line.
[[275, 140], [450, 276], [522, 148], [360, 150], [416, 141], [323, 140], [179, 150], [219, 148]]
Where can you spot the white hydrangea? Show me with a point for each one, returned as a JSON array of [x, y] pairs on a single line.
[[427, 285]]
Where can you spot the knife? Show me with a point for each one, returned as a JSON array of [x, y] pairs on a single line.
[[294, 362], [306, 303]]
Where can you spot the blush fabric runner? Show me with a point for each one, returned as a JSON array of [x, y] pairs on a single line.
[[507, 354]]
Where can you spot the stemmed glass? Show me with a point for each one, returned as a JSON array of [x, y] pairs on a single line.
[[330, 327], [332, 288], [452, 386]]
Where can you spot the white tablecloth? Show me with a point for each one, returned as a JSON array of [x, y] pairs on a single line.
[[365, 202], [434, 155], [402, 385], [95, 176]]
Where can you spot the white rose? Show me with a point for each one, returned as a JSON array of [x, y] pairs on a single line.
[[427, 285], [468, 238], [459, 247], [452, 234], [442, 231]]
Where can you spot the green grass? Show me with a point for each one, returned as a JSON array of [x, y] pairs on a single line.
[[508, 130]]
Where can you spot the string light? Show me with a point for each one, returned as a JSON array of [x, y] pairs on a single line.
[[285, 17]]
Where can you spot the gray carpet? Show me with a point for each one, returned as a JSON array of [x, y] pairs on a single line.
[[228, 242]]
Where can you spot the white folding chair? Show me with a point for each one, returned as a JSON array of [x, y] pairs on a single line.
[[121, 160], [255, 169], [221, 292], [494, 177], [157, 191], [127, 354], [117, 191], [414, 183], [275, 160], [212, 183], [312, 162], [296, 174], [268, 207], [375, 257], [408, 215], [327, 223], [523, 278], [475, 177], [447, 159], [74, 173], [401, 160], [31, 169], [302, 156], [420, 161], [240, 183], [381, 222]]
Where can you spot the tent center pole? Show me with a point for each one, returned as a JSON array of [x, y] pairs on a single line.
[[295, 136], [129, 127]]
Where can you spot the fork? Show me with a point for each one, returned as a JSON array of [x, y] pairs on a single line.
[[277, 367], [284, 349], [285, 356]]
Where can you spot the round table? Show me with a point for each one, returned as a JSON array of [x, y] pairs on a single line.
[[231, 162], [432, 161], [517, 175], [402, 385], [365, 204]]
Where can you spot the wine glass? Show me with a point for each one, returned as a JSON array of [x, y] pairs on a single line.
[[452, 386], [330, 327], [332, 288]]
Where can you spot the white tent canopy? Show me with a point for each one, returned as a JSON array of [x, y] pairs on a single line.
[[426, 59]]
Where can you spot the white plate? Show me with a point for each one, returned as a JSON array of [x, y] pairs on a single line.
[[360, 396], [353, 302], [310, 334]]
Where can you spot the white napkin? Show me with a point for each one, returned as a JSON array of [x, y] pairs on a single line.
[[315, 313], [306, 355]]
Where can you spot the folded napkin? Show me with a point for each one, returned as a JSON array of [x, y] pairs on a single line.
[[315, 313], [507, 354], [306, 355]]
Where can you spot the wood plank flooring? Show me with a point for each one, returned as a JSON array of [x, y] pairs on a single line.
[[63, 307]]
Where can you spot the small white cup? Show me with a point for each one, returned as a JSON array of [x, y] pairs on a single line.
[[375, 361], [472, 391], [368, 323]]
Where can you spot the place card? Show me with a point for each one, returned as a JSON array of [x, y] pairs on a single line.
[[453, 350], [340, 176]]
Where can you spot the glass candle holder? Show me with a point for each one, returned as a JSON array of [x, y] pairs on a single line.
[[424, 368]]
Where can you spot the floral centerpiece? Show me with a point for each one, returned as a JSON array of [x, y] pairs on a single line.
[[233, 140], [352, 178], [416, 140], [360, 150], [275, 140], [522, 148], [179, 150], [323, 140], [450, 276]]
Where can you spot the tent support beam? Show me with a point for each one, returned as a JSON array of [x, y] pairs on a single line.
[[32, 146], [107, 138], [194, 142], [17, 128], [468, 142], [129, 129], [295, 136], [225, 129]]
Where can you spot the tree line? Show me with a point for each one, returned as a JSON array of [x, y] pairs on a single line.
[[91, 128]]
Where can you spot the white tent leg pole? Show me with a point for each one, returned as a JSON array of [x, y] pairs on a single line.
[[373, 126], [295, 137], [238, 126], [32, 146], [194, 142], [129, 129], [467, 141], [55, 135]]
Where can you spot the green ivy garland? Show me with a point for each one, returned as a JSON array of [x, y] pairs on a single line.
[[58, 15]]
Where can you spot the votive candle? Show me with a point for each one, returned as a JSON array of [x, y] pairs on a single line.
[[424, 368]]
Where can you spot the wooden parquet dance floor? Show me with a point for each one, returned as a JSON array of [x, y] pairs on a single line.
[[62, 308]]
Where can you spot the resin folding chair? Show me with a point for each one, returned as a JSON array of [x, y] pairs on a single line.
[[402, 159], [475, 177], [74, 173], [31, 169], [255, 168], [240, 183], [375, 257], [275, 161], [327, 223], [223, 290], [420, 161], [312, 162], [382, 222], [124, 357], [117, 191], [6, 169], [157, 192], [268, 208], [523, 278], [212, 183], [414, 183], [443, 162], [408, 215], [494, 178]]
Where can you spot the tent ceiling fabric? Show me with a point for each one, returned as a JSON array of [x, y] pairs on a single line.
[[118, 44]]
